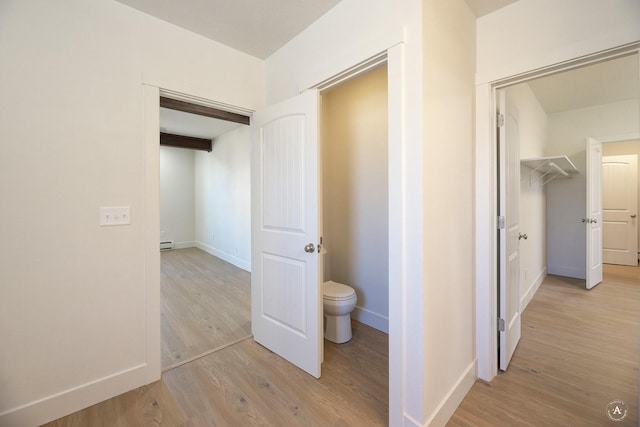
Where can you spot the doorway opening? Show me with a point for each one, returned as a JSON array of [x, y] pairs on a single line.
[[204, 230], [355, 227], [401, 205], [355, 192], [557, 183]]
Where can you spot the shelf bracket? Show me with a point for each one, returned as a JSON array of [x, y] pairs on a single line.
[[553, 169]]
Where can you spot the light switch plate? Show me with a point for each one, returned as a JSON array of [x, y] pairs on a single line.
[[115, 215]]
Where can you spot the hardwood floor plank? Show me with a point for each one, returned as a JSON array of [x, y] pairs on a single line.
[[206, 304], [579, 351], [150, 405], [247, 385]]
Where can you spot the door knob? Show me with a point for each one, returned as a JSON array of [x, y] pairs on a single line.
[[594, 221], [310, 248], [633, 215], [522, 236]]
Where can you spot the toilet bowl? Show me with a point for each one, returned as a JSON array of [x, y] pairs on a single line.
[[338, 302]]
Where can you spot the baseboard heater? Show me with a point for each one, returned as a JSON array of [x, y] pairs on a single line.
[[167, 245]]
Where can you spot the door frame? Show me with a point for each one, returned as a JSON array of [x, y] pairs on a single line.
[[405, 356], [403, 365], [486, 188], [151, 136]]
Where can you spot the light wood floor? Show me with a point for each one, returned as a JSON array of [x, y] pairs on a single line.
[[247, 385], [579, 351], [242, 384], [206, 304]]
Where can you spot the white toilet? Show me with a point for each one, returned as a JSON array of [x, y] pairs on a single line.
[[338, 301]]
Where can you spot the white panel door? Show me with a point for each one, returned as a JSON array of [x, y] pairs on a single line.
[[509, 235], [593, 220], [286, 296], [620, 210]]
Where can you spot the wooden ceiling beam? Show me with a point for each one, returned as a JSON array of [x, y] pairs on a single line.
[[202, 110], [173, 140]]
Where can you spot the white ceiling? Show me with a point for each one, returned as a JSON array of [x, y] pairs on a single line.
[[601, 83], [484, 7], [256, 27]]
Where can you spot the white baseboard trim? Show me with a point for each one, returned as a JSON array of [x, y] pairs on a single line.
[[185, 245], [528, 296], [454, 397], [58, 405], [561, 270], [231, 259], [407, 421], [370, 318]]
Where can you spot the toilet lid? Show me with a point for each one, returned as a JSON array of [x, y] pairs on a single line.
[[337, 291]]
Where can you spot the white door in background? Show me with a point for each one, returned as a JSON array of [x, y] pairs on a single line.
[[509, 231], [593, 219], [286, 297], [620, 210]]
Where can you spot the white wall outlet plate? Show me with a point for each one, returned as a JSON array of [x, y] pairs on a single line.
[[115, 215]]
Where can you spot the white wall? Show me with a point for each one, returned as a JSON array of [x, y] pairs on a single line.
[[622, 148], [520, 38], [355, 199], [205, 197], [448, 72], [74, 295], [532, 125], [177, 196], [223, 198], [566, 199], [531, 34], [351, 32]]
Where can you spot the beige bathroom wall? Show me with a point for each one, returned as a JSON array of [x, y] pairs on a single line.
[[354, 151]]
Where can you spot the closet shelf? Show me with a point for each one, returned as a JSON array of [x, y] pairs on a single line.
[[550, 168]]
